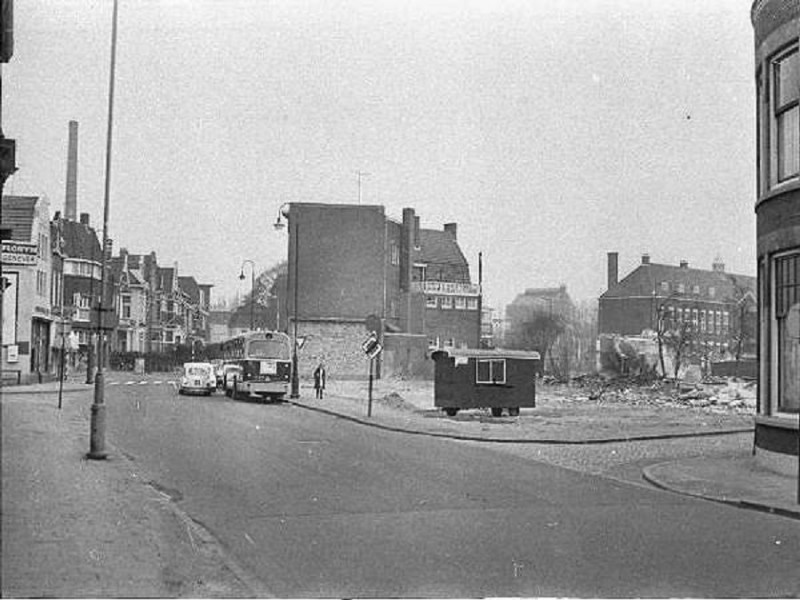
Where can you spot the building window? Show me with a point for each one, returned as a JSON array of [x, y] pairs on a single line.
[[472, 304], [168, 336], [430, 301], [433, 343], [41, 283], [712, 292], [695, 289], [461, 303], [491, 371], [787, 315], [725, 322], [665, 286], [394, 253], [126, 306], [681, 288], [786, 90], [447, 302], [702, 321]]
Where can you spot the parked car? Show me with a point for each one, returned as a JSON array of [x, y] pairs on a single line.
[[198, 378]]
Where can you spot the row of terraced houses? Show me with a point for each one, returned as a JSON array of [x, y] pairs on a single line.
[[51, 280]]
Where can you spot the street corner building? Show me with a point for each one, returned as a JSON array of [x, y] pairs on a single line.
[[351, 264], [27, 334], [776, 25]]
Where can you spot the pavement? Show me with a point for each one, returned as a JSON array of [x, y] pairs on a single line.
[[74, 527]]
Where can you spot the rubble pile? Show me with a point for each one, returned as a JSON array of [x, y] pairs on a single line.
[[721, 395]]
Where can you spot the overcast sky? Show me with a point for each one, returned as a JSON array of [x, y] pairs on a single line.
[[551, 131]]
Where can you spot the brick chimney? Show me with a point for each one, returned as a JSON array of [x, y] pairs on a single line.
[[645, 259], [85, 219], [71, 199], [718, 266], [407, 248], [613, 269], [452, 228], [684, 264]]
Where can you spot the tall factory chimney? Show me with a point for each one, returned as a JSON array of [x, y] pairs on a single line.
[[71, 202]]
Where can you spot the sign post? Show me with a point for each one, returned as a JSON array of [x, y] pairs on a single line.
[[371, 347]]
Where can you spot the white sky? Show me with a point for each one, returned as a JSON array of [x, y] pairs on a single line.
[[551, 131]]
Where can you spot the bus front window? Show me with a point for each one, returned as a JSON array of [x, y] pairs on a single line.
[[268, 349]]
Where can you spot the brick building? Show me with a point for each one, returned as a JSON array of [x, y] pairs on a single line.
[[776, 25], [719, 306], [350, 262]]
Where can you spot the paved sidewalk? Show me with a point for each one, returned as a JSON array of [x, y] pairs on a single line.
[[72, 527]]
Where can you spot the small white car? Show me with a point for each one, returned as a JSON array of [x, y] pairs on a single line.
[[198, 378]]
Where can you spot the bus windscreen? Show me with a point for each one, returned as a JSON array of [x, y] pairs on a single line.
[[268, 349]]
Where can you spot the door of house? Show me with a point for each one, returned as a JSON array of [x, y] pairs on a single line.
[[40, 342]]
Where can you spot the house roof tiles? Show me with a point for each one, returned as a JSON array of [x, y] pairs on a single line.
[[18, 215], [647, 279]]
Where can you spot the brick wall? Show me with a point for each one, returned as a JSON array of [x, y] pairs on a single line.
[[461, 325], [627, 316], [406, 355], [338, 343], [340, 260]]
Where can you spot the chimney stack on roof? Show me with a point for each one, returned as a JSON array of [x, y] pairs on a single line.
[[718, 266], [684, 264], [71, 201], [645, 259], [85, 219], [452, 228], [613, 269]]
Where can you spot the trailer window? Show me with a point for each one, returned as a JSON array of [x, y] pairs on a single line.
[[491, 371]]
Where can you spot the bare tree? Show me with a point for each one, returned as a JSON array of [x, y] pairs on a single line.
[[742, 326], [679, 339], [540, 334]]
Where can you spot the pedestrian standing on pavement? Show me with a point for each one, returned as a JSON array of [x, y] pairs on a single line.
[[319, 379]]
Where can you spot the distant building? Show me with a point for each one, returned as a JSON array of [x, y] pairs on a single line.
[[134, 278], [776, 24], [350, 262], [551, 302], [719, 307]]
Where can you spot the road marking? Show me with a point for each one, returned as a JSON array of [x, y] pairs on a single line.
[[142, 383], [129, 382]]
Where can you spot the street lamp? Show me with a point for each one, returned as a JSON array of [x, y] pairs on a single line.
[[252, 285], [97, 423], [279, 225]]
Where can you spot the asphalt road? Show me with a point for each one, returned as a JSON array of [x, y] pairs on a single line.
[[316, 506]]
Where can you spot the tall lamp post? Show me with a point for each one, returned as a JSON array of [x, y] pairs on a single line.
[[279, 225], [97, 425], [252, 285]]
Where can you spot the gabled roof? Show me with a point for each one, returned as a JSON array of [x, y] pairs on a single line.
[[439, 247], [18, 215], [188, 286], [80, 241], [166, 276], [646, 280]]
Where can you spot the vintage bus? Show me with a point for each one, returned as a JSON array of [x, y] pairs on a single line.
[[265, 358]]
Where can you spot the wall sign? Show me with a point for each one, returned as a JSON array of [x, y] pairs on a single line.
[[19, 253]]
